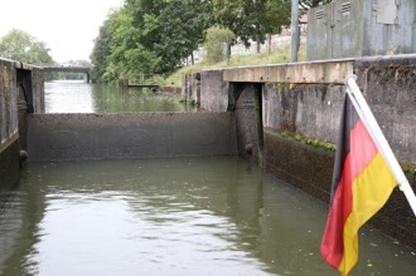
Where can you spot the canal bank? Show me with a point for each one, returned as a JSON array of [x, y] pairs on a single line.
[[275, 103]]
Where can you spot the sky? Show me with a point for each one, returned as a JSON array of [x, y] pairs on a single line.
[[68, 27]]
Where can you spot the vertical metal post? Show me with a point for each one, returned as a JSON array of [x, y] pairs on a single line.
[[295, 31]]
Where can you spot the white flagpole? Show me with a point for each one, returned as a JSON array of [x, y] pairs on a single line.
[[380, 140]]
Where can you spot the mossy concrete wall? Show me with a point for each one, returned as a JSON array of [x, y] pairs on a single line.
[[310, 169], [27, 80], [307, 98], [9, 163]]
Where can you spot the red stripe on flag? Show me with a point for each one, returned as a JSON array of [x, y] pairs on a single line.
[[362, 151]]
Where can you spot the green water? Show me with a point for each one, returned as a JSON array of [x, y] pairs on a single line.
[[81, 97], [208, 216]]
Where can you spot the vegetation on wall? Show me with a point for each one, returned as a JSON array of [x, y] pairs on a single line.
[[312, 141]]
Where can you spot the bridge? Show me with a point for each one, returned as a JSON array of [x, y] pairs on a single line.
[[69, 69]]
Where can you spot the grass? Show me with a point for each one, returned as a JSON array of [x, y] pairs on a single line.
[[276, 57]]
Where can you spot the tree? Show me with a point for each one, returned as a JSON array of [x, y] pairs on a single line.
[[252, 19], [149, 37], [102, 50], [21, 46]]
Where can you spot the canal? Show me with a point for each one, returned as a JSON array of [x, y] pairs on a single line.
[[185, 216], [80, 97]]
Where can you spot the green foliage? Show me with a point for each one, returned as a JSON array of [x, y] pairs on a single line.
[[148, 37], [315, 142], [408, 167], [250, 19], [216, 43], [21, 46]]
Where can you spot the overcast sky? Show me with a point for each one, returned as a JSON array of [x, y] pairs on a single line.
[[68, 27]]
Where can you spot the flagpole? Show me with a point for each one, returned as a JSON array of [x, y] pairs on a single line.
[[373, 128]]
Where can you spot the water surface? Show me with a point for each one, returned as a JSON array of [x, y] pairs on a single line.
[[81, 97], [208, 216]]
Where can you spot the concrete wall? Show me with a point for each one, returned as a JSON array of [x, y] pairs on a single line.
[[314, 109], [191, 88], [8, 102], [310, 169], [27, 80], [307, 98], [38, 90], [126, 136], [9, 164], [214, 91]]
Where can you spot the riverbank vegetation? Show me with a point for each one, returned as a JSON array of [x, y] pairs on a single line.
[[21, 46], [155, 37]]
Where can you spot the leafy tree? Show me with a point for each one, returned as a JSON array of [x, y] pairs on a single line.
[[102, 50], [21, 46], [181, 28], [252, 19], [149, 37]]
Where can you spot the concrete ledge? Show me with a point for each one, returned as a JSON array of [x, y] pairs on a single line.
[[329, 72], [130, 136], [310, 169]]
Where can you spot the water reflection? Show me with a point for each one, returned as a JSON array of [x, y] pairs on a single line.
[[215, 216], [80, 97]]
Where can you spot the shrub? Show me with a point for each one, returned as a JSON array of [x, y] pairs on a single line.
[[217, 41]]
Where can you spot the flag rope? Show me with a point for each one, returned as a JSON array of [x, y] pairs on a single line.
[[380, 140]]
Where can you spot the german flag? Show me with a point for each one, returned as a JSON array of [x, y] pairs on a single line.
[[362, 183]]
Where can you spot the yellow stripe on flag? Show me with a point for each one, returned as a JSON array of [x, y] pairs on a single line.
[[371, 189]]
